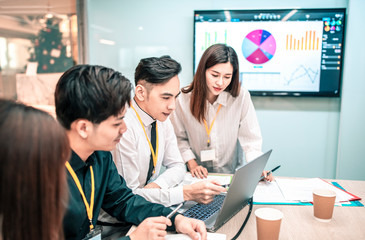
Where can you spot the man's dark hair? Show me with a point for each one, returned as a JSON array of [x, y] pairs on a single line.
[[90, 92], [156, 70]]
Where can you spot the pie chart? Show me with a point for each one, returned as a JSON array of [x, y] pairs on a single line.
[[259, 46]]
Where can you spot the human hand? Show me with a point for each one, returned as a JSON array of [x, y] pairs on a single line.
[[197, 170], [191, 227], [203, 191], [269, 177], [152, 185], [151, 228]]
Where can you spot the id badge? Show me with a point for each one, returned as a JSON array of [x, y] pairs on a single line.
[[207, 155], [94, 234]]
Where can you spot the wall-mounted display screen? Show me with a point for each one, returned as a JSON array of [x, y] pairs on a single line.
[[286, 52]]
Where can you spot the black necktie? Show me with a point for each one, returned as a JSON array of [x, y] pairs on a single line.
[[153, 143]]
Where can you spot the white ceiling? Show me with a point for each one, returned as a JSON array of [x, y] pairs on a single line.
[[37, 7]]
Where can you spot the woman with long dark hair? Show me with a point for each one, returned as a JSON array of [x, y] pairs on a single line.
[[33, 187], [215, 118]]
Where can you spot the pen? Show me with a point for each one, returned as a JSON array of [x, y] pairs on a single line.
[[272, 170], [175, 211]]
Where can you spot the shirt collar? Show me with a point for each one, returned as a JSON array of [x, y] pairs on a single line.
[[77, 163], [146, 119], [222, 98]]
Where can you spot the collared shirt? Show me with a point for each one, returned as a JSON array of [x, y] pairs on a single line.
[[235, 128], [111, 194], [132, 157]]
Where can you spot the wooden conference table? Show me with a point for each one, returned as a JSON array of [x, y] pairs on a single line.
[[299, 223]]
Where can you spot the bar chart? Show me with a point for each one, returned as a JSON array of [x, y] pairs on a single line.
[[310, 41]]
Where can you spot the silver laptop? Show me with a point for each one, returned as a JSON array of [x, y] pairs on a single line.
[[241, 189]]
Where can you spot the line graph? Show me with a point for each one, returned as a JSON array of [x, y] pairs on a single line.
[[303, 74], [301, 78]]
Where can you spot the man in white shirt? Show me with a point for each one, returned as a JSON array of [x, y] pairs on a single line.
[[140, 157]]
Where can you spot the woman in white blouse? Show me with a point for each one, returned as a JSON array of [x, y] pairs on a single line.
[[215, 118]]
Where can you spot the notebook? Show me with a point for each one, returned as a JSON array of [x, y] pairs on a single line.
[[225, 206]]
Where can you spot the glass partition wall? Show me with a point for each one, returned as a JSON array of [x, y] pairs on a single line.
[[37, 44]]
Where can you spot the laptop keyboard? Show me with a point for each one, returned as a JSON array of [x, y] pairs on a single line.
[[204, 211]]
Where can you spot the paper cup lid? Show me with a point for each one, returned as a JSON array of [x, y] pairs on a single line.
[[269, 213], [324, 192]]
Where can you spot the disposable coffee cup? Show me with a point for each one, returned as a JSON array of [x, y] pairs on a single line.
[[268, 221], [323, 204]]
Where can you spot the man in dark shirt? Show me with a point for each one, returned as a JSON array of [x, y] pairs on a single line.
[[91, 103]]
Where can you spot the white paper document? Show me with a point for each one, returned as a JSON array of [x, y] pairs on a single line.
[[210, 236], [179, 236], [301, 190], [269, 192]]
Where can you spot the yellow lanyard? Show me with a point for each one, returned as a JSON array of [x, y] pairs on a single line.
[[211, 125], [154, 154], [89, 209]]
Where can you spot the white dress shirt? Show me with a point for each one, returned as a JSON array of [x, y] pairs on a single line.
[[132, 158], [235, 129]]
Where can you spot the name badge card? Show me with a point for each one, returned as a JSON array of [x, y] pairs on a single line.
[[207, 155], [94, 234]]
